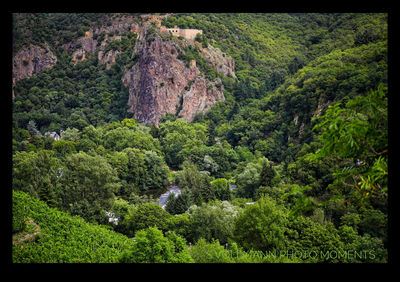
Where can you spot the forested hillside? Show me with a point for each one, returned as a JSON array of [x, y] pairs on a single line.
[[291, 166]]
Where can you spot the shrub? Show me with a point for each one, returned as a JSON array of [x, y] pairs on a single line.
[[151, 246], [18, 215], [261, 226], [64, 238], [147, 215], [204, 252]]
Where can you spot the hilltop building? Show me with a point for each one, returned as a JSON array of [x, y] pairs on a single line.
[[176, 31], [185, 33]]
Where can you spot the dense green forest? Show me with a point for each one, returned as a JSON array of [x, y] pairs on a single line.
[[292, 167]]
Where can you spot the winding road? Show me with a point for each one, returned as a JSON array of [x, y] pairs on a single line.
[[163, 198]]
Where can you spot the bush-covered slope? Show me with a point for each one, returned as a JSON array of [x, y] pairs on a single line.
[[301, 139], [63, 238], [268, 47]]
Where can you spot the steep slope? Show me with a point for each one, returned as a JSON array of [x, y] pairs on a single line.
[[31, 60], [290, 68], [160, 83], [63, 238], [153, 64]]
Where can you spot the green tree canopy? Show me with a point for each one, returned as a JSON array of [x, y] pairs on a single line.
[[261, 226], [151, 246], [212, 221], [88, 185], [197, 182], [147, 215], [357, 136], [174, 135], [33, 172], [123, 137]]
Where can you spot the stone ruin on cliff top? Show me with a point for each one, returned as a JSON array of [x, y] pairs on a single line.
[[176, 31]]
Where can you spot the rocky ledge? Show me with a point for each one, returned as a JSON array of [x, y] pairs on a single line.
[[31, 60]]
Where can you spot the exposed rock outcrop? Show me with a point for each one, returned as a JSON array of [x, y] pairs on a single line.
[[117, 24], [201, 96], [218, 60], [109, 58], [31, 60], [88, 45], [160, 83]]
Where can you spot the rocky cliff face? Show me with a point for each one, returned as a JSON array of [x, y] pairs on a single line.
[[218, 60], [31, 60], [160, 83], [201, 96], [89, 45]]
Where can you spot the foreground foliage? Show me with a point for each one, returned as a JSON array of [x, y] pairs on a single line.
[[64, 238], [291, 167]]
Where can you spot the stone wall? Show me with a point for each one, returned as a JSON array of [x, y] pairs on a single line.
[[185, 33]]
